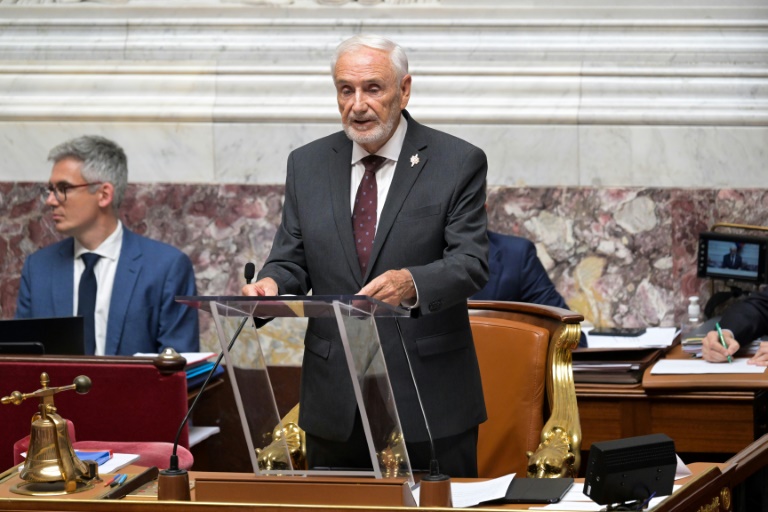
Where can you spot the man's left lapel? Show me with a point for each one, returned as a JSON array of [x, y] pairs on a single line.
[[413, 157], [126, 275]]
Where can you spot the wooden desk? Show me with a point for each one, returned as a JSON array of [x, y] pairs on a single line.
[[710, 417], [704, 474], [704, 414]]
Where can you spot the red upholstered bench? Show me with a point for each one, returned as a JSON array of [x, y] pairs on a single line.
[[130, 400]]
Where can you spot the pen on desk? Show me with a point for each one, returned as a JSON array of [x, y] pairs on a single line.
[[722, 340], [112, 480], [116, 481], [131, 485], [121, 480]]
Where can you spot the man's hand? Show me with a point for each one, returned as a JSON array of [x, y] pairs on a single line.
[[761, 356], [393, 287], [714, 351], [266, 287]]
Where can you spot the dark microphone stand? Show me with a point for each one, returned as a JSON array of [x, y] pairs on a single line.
[[435, 487], [173, 483]]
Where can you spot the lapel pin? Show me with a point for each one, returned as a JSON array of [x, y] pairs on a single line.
[[414, 159]]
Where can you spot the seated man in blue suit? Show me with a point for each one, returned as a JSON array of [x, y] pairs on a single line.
[[517, 275], [121, 283]]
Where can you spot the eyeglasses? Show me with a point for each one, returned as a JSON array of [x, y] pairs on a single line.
[[60, 190]]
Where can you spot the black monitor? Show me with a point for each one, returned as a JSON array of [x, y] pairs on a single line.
[[737, 257], [57, 336]]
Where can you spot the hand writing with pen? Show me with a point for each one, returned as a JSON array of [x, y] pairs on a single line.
[[713, 350]]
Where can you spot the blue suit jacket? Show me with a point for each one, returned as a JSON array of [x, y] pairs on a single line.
[[516, 274], [143, 315]]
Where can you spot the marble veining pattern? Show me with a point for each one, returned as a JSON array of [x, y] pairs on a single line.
[[620, 256]]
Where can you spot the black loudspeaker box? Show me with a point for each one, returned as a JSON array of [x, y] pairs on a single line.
[[630, 469]]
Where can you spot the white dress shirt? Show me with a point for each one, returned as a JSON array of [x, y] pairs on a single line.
[[390, 151], [105, 270], [385, 174]]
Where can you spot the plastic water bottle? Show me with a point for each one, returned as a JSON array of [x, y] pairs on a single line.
[[692, 321]]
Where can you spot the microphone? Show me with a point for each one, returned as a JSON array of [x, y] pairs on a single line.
[[435, 487], [173, 483], [250, 272]]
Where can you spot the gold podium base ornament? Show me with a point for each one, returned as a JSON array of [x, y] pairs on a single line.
[[49, 488]]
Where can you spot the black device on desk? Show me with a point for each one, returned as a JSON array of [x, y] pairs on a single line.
[[57, 335], [617, 331], [630, 469], [537, 490]]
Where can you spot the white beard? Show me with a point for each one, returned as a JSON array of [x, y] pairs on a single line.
[[377, 133]]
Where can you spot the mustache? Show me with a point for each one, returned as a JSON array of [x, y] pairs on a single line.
[[359, 118]]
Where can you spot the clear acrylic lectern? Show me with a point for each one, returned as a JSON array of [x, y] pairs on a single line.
[[247, 370]]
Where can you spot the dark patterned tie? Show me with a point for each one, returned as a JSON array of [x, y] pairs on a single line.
[[86, 301], [364, 212]]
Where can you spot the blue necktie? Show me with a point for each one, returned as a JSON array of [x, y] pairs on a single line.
[[86, 301]]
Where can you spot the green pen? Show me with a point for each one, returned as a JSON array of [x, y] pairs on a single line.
[[722, 339]]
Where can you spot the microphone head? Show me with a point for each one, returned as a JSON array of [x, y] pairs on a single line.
[[250, 272]]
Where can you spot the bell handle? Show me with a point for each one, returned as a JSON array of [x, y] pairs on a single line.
[[81, 385]]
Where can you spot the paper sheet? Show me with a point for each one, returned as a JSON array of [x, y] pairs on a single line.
[[575, 499], [471, 494], [118, 461], [699, 366], [653, 337]]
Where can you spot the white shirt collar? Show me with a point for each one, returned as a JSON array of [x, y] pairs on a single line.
[[109, 248]]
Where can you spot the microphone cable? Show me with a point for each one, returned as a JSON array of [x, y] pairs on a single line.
[[434, 466], [250, 271]]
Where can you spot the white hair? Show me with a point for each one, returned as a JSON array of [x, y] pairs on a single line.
[[396, 53]]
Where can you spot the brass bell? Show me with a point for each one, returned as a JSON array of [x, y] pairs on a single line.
[[51, 466]]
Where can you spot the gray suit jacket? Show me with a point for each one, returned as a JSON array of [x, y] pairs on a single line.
[[434, 224]]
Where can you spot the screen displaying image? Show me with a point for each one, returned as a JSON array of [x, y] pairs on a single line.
[[739, 260]]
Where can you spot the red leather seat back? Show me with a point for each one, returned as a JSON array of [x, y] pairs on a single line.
[[127, 402], [513, 359]]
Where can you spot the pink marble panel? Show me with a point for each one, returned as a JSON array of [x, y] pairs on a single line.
[[618, 256]]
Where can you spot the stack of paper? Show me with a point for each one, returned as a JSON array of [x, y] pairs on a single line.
[[199, 365], [616, 366], [659, 337]]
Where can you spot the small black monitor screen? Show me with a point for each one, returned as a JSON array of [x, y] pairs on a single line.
[[59, 335], [742, 258], [739, 260]]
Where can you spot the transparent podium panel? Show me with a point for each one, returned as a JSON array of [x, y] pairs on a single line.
[[275, 447]]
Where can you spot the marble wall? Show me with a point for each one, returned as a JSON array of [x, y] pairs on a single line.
[[620, 256], [616, 131]]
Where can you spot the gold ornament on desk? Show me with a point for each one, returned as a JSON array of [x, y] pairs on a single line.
[[288, 441], [51, 466]]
